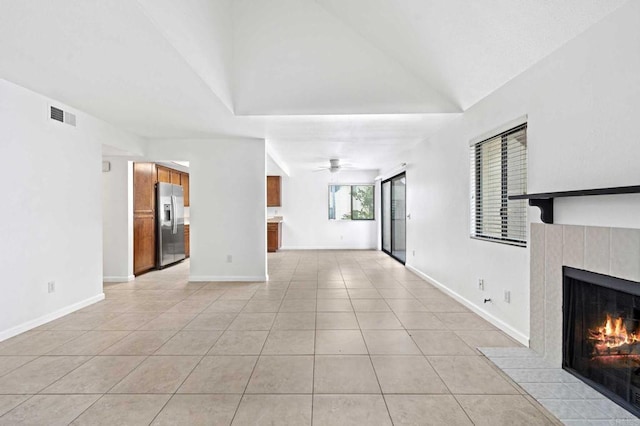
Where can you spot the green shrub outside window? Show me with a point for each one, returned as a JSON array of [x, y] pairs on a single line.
[[351, 202]]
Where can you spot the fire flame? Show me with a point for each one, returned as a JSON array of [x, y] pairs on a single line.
[[613, 334]]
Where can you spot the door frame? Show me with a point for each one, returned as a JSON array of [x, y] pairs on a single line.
[[382, 214]]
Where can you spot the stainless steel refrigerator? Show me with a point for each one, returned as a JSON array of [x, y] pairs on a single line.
[[170, 222]]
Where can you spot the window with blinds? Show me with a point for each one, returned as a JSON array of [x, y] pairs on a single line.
[[498, 170]]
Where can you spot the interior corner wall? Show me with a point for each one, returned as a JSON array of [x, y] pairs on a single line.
[[582, 107], [305, 213], [117, 223], [53, 210], [227, 192]]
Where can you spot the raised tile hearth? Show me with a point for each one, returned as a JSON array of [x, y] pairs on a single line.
[[569, 399], [609, 251]]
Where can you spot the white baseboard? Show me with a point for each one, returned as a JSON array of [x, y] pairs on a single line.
[[49, 317], [118, 279], [326, 248], [223, 278], [475, 308]]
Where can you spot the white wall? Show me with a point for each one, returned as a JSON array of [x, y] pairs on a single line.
[[227, 194], [582, 105], [117, 220], [53, 209], [305, 210]]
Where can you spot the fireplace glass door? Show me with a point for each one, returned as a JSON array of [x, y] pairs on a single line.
[[601, 334]]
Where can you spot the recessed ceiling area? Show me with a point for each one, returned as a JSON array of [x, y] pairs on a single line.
[[364, 141], [361, 80]]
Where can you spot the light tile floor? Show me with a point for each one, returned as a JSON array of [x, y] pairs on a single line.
[[334, 338]]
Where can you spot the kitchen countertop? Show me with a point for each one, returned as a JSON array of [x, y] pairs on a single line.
[[275, 219]]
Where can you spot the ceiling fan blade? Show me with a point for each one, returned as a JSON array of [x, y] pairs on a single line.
[[335, 165]]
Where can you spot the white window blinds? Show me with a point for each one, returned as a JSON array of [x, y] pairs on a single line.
[[498, 170]]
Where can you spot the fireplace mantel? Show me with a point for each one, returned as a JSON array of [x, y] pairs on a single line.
[[544, 200]]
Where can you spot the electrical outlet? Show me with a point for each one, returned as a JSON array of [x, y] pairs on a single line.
[[507, 296], [229, 258], [413, 252], [480, 284], [341, 237], [51, 286]]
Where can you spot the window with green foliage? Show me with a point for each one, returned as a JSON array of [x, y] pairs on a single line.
[[351, 202]]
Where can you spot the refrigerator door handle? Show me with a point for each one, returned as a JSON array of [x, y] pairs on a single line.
[[174, 221]]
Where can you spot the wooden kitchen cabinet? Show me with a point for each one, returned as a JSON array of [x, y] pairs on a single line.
[[274, 191], [176, 177], [185, 188], [164, 174], [187, 246], [144, 243], [144, 218], [274, 236], [167, 175], [144, 195]]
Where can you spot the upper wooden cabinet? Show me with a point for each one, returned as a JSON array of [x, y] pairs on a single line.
[[167, 175], [185, 187], [176, 177], [164, 174], [274, 190], [144, 179]]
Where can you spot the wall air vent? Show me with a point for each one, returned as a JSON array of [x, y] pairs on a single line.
[[57, 114], [70, 119], [63, 116]]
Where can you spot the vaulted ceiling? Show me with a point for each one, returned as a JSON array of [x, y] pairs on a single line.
[[361, 80]]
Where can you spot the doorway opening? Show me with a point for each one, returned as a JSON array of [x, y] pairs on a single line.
[[160, 214]]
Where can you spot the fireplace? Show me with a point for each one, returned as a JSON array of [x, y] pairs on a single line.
[[601, 334]]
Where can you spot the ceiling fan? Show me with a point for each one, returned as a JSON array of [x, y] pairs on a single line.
[[334, 166]]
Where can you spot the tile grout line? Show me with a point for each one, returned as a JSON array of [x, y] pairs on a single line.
[[69, 372], [313, 370], [372, 366], [142, 362], [195, 365], [264, 343], [131, 372]]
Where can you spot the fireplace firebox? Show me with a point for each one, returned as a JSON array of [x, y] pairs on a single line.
[[601, 334]]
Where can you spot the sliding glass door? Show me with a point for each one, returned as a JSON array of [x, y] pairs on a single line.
[[394, 217], [386, 216], [398, 218]]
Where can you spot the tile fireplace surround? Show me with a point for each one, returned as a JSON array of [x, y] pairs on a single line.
[[609, 251]]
